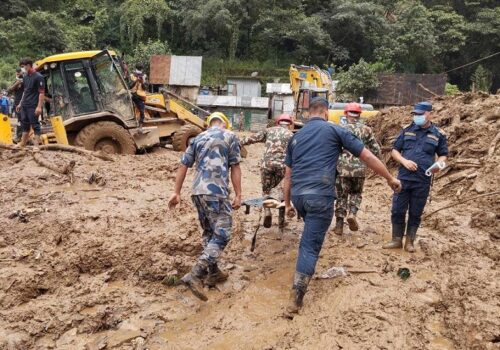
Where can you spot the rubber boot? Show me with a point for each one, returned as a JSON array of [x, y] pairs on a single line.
[[398, 231], [352, 221], [339, 226], [36, 142], [193, 280], [215, 275], [268, 218], [299, 288], [24, 139], [411, 234]]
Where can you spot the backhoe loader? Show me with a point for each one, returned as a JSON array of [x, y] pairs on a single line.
[[88, 91], [307, 82]]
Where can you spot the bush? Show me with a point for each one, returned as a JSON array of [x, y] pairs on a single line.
[[359, 80], [450, 89]]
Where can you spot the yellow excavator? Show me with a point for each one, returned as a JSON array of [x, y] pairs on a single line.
[[307, 82], [88, 93]]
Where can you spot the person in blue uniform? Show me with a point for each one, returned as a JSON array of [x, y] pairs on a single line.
[[309, 183], [415, 149]]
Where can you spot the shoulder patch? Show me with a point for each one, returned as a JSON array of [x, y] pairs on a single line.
[[441, 131], [407, 126]]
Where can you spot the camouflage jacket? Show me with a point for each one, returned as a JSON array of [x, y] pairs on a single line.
[[276, 139], [349, 165], [213, 151]]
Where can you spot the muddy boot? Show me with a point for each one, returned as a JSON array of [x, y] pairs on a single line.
[[295, 302], [193, 280], [352, 221], [215, 275], [24, 139], [398, 231], [411, 234], [339, 226], [36, 142], [268, 218]]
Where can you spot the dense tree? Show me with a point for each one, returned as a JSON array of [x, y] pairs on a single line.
[[416, 36]]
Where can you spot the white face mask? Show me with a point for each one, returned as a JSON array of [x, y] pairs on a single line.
[[23, 70]]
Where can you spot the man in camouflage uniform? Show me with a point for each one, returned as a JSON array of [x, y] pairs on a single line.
[[272, 167], [351, 171], [216, 153]]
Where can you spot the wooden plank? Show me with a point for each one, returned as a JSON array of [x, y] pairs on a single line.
[[159, 71]]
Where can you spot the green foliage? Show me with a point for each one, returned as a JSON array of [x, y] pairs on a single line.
[[450, 89], [359, 80], [481, 79], [136, 14], [413, 36]]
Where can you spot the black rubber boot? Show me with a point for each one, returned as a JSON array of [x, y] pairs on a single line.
[[193, 280], [215, 275], [398, 231], [352, 221], [268, 218], [411, 234], [299, 288], [339, 226]]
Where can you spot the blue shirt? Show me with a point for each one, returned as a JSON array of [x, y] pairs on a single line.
[[213, 151], [421, 146], [312, 154]]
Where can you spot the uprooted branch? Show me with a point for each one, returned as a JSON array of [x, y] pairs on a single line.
[[65, 170], [461, 202], [65, 148]]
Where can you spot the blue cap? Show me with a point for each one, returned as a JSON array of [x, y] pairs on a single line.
[[319, 100], [422, 107]]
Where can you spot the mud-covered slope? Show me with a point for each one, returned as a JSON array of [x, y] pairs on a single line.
[[81, 266]]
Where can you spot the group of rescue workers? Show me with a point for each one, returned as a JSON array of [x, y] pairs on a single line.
[[320, 163]]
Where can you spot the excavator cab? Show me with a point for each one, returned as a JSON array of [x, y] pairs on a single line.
[[88, 92], [302, 104]]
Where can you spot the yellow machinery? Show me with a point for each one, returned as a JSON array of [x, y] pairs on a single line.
[[90, 99], [5, 130], [307, 82]]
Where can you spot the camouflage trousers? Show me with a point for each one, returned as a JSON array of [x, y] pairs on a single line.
[[270, 178], [216, 221], [349, 195]]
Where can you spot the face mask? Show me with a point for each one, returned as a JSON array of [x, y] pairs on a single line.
[[419, 119], [23, 70]]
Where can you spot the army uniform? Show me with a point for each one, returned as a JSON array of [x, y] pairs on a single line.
[[419, 145], [351, 172], [272, 168], [213, 152]]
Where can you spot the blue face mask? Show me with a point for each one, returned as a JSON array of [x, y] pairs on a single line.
[[419, 119]]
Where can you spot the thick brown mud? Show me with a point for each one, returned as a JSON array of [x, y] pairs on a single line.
[[81, 267]]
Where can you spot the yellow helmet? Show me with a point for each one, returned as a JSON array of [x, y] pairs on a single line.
[[220, 116]]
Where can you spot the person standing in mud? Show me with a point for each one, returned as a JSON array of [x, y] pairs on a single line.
[[272, 167], [311, 162], [415, 149], [216, 153], [351, 171]]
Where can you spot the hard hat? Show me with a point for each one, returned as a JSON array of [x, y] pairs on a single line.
[[284, 118], [352, 107], [221, 117]]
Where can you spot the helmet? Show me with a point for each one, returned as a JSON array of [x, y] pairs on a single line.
[[352, 107], [284, 118], [221, 117]]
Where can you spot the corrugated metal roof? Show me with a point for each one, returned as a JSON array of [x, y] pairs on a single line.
[[277, 88], [233, 101]]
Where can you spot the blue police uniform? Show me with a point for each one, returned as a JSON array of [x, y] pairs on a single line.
[[312, 155], [420, 145]]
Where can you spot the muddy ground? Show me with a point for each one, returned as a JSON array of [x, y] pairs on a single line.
[[81, 266]]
